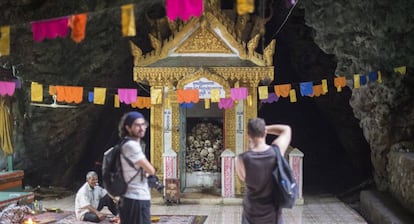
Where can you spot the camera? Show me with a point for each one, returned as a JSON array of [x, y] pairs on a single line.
[[154, 182]]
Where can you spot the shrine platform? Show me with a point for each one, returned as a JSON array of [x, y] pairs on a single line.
[[11, 180], [11, 188]]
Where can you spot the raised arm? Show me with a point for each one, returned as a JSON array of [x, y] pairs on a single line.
[[284, 134]]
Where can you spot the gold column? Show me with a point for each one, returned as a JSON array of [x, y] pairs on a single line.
[[156, 138], [250, 112], [230, 129]]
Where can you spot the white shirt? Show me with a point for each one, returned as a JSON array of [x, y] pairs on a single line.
[[87, 196], [137, 189]]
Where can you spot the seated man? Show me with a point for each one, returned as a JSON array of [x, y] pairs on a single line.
[[91, 198]]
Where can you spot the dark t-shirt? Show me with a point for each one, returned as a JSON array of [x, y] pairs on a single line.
[[258, 204]]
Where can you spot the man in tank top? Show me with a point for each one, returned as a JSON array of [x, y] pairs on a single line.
[[254, 167]]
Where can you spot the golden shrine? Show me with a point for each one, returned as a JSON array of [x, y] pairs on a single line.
[[203, 53]]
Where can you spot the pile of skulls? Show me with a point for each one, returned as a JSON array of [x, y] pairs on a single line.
[[204, 147]]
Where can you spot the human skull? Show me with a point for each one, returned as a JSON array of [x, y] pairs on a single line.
[[196, 144], [203, 153], [207, 143], [210, 156]]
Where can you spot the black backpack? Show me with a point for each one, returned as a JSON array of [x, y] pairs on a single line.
[[112, 174], [286, 189]]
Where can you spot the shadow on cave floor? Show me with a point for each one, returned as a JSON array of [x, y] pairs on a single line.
[[331, 180]]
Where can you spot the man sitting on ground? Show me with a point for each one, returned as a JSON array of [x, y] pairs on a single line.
[[91, 198]]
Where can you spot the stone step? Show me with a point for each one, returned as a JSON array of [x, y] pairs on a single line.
[[381, 208]]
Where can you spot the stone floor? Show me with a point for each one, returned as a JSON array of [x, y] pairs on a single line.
[[322, 209]]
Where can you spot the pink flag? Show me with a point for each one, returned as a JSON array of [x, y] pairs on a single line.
[[7, 88], [184, 9], [225, 103], [50, 28], [127, 96], [238, 93]]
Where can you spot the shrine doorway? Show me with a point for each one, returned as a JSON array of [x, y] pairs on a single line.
[[201, 144]]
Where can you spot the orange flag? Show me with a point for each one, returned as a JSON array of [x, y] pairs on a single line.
[[142, 102], [69, 94], [339, 82], [188, 96], [78, 25], [282, 90]]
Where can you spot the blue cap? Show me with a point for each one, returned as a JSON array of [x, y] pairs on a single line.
[[131, 117]]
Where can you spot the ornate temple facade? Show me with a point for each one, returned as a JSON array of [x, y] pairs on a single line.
[[203, 53]]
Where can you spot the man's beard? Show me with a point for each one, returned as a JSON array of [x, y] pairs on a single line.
[[138, 134]]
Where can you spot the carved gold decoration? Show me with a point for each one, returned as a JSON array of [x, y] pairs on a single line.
[[175, 116], [268, 53], [252, 44], [156, 139], [228, 33], [217, 36], [165, 75], [230, 127], [213, 4], [156, 44], [259, 26], [136, 52], [241, 24], [212, 33], [172, 24], [203, 40]]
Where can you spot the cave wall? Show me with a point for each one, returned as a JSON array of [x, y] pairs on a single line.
[[57, 146], [400, 168], [337, 156], [355, 37], [368, 36]]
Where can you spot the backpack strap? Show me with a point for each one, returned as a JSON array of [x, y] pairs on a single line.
[[277, 151], [130, 163]]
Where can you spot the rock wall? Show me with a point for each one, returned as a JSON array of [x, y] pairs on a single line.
[[359, 36], [363, 35], [368, 36], [400, 169]]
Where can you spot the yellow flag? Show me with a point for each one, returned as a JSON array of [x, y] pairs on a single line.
[[37, 92], [402, 70], [4, 40], [379, 80], [6, 130], [215, 95], [206, 103], [292, 94], [263, 93], [116, 101], [156, 96], [167, 103], [128, 20], [249, 100], [245, 6], [356, 81], [99, 95], [324, 86]]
